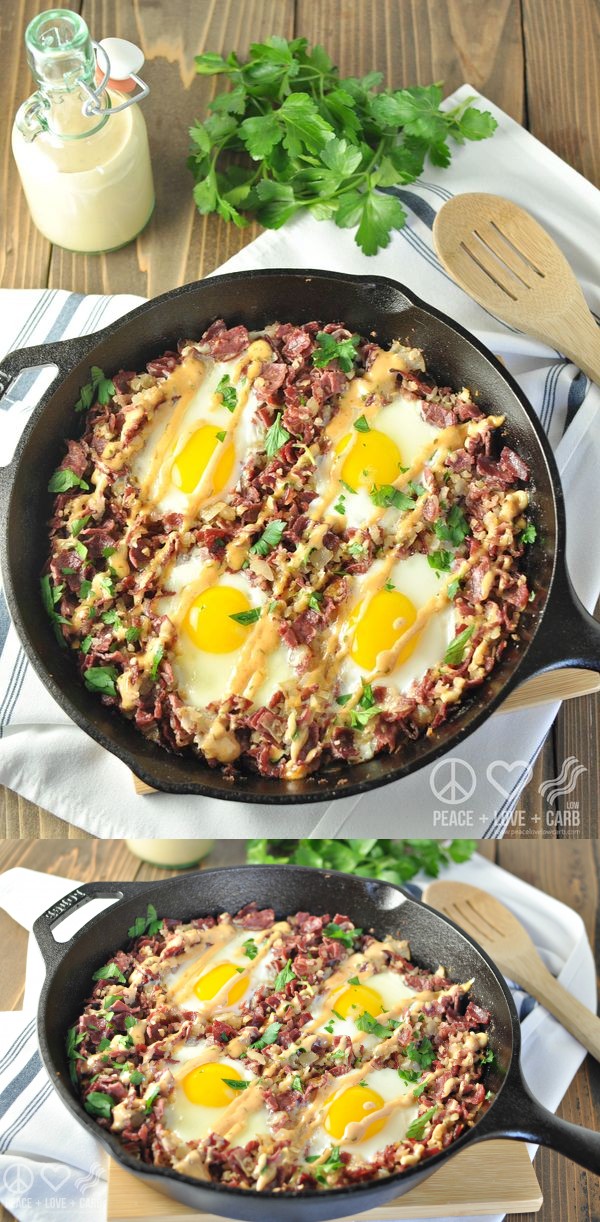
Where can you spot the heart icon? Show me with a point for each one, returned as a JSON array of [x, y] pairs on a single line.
[[54, 1175], [504, 786]]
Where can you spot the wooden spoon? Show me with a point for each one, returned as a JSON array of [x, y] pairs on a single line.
[[500, 256], [509, 945]]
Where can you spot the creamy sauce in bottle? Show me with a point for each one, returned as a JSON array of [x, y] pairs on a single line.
[[87, 178]]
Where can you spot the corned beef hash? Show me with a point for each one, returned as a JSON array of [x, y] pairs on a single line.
[[285, 548], [284, 1055]]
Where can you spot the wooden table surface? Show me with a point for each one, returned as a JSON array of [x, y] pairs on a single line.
[[570, 871], [535, 58]]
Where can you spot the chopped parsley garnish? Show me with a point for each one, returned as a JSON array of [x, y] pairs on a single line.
[[136, 1078], [356, 549], [150, 1096], [409, 1075], [297, 1083], [51, 595], [347, 487], [422, 1054], [86, 643], [235, 1084], [529, 535], [74, 1039], [354, 980], [332, 1163], [315, 600], [347, 936], [362, 425], [110, 617], [132, 634], [150, 924], [329, 1027], [340, 504], [453, 588], [456, 649], [228, 393], [416, 489], [269, 1036], [246, 617], [269, 539], [275, 437], [488, 1057], [389, 585], [440, 560], [101, 679], [453, 529], [221, 435], [99, 1104], [103, 1045], [250, 948], [78, 524], [85, 588], [387, 495], [367, 1023], [343, 699], [110, 971], [156, 659], [286, 974], [99, 389], [108, 551], [64, 479], [419, 1124], [365, 709], [341, 350]]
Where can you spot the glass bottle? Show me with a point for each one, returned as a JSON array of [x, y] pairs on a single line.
[[87, 176]]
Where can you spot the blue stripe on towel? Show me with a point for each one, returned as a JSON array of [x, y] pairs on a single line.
[[20, 1082], [17, 1045], [34, 1106]]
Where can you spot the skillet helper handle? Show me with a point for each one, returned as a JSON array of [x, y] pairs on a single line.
[[567, 636], [61, 353], [52, 950]]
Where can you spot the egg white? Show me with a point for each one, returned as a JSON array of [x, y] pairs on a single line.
[[391, 989], [387, 1084], [415, 578], [194, 1121], [231, 951], [201, 410]]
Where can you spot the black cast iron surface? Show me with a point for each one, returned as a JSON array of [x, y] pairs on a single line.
[[554, 631], [371, 904]]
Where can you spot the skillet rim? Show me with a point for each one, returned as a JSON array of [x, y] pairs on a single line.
[[111, 1142], [480, 701]]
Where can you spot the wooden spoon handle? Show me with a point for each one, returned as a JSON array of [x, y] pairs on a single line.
[[583, 346], [571, 1014]]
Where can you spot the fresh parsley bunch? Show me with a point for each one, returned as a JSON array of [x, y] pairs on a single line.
[[393, 861], [304, 138]]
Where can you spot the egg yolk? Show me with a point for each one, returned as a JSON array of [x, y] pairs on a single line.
[[373, 458], [209, 623], [191, 462], [206, 1086], [356, 999], [379, 624], [211, 983], [352, 1107]]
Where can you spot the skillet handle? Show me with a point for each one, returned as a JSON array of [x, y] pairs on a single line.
[[521, 1116], [63, 353], [53, 951], [567, 636]]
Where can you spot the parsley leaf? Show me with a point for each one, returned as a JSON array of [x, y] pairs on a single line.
[[150, 924], [276, 436], [269, 539], [456, 649], [246, 617], [228, 393], [64, 479], [397, 860], [422, 1054], [156, 659], [51, 595], [440, 560], [454, 529], [529, 535], [387, 495], [343, 351], [99, 389], [362, 425], [346, 936], [268, 1037], [250, 948], [101, 679], [367, 1023], [419, 1124], [235, 1083], [286, 974], [340, 504], [315, 600], [110, 971], [78, 524], [99, 1104]]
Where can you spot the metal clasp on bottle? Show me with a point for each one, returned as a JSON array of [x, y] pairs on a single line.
[[130, 60]]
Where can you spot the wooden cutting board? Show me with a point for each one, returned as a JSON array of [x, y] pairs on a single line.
[[495, 1177], [555, 685]]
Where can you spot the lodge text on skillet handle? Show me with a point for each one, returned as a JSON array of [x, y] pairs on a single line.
[[61, 354], [43, 926], [567, 636]]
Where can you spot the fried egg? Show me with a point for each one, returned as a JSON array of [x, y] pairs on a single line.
[[221, 982], [201, 1097], [350, 1106], [376, 623], [397, 434], [171, 479], [373, 995]]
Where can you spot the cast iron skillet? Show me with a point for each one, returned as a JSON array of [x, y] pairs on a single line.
[[370, 904], [555, 631]]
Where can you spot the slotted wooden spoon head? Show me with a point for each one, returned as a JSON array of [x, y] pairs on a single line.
[[485, 919], [503, 259]]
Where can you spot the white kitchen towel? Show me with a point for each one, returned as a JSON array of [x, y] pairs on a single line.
[[44, 756], [36, 1130]]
